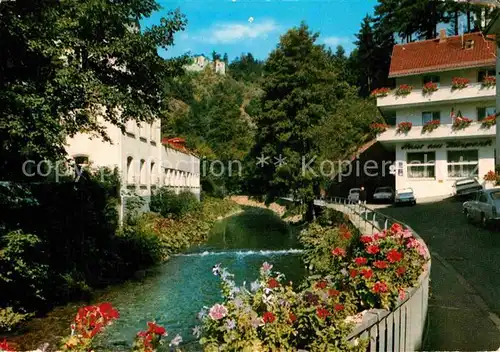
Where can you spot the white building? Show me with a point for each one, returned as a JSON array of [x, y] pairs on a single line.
[[144, 160], [431, 161], [200, 62]]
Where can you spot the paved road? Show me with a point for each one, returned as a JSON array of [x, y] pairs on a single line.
[[465, 277]]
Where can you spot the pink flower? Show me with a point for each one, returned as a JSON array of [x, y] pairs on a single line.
[[396, 228], [338, 252], [266, 267], [402, 294], [217, 312]]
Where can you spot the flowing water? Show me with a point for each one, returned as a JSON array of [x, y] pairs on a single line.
[[174, 293]]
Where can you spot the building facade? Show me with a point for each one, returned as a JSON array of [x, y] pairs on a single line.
[[448, 82], [144, 160], [200, 62]]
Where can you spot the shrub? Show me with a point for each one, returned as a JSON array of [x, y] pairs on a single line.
[[378, 127], [404, 127], [167, 203], [10, 320]]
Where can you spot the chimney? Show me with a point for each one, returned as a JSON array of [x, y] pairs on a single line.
[[442, 35]]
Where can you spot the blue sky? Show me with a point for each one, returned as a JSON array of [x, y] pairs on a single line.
[[224, 26]]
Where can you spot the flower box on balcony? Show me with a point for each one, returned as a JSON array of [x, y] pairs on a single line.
[[489, 81], [491, 176], [461, 122], [403, 90], [380, 92], [459, 83], [404, 127], [489, 121], [429, 88], [378, 127], [431, 126]]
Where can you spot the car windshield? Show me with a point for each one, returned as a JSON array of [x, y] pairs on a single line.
[[352, 191], [495, 195], [383, 189], [405, 194]]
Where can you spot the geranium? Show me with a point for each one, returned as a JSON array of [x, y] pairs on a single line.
[[404, 90], [366, 239], [339, 307], [489, 81], [338, 252], [429, 88], [395, 228], [268, 317], [380, 264], [380, 92], [404, 127], [360, 261], [372, 249], [394, 256], [379, 127], [292, 317], [431, 126], [4, 347], [353, 273], [400, 271], [491, 176], [218, 311], [149, 340], [489, 121], [333, 292], [322, 313], [460, 123], [321, 284], [273, 283], [367, 273], [380, 287], [459, 83]]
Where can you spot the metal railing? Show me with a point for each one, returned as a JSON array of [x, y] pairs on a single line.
[[403, 328]]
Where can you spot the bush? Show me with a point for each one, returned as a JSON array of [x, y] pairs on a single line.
[[10, 320], [169, 204]]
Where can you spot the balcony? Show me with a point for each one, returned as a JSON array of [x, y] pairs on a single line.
[[473, 92], [443, 132]]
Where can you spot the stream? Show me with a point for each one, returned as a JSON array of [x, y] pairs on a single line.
[[173, 293]]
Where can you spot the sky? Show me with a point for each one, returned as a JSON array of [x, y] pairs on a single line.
[[255, 26]]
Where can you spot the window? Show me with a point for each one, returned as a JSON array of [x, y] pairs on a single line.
[[428, 116], [153, 174], [130, 171], [390, 118], [143, 172], [485, 112], [495, 195], [152, 131], [433, 79], [483, 198], [463, 163], [483, 73], [421, 165]]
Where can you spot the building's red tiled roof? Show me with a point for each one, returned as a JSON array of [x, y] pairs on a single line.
[[431, 55]]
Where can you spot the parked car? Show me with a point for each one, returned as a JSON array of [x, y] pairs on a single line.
[[383, 194], [405, 196], [466, 187], [354, 195], [484, 208]]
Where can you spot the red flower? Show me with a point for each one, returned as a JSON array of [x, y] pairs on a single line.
[[394, 256], [347, 235], [268, 317], [322, 313], [367, 273], [396, 228], [292, 317], [353, 273], [339, 307], [321, 284], [333, 292], [273, 283], [380, 287], [373, 249], [338, 252], [360, 261], [366, 239], [380, 264], [400, 271], [4, 346]]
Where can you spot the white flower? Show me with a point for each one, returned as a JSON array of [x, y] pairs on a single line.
[[344, 272], [197, 331], [176, 341], [254, 286], [203, 313]]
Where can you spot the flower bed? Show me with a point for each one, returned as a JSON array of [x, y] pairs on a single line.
[[489, 121], [431, 126], [378, 127], [459, 83], [404, 127], [429, 88], [403, 90], [489, 81], [380, 92], [461, 122]]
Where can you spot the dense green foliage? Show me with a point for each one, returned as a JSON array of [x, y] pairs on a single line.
[[169, 204], [62, 60]]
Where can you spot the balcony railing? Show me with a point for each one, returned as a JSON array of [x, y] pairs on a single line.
[[443, 131], [474, 91]]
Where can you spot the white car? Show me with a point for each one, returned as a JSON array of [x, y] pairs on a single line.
[[354, 195], [383, 194], [484, 207], [405, 196]]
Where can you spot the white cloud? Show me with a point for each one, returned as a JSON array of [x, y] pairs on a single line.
[[334, 41], [224, 33]]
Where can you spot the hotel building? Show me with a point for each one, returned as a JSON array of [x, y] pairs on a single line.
[[450, 81]]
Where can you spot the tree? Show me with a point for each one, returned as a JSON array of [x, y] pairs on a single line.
[[246, 68], [63, 60], [225, 59], [299, 89]]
